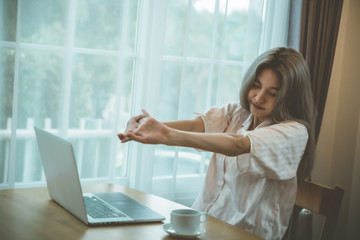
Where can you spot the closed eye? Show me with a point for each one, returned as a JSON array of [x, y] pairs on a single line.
[[274, 91], [257, 84], [273, 94]]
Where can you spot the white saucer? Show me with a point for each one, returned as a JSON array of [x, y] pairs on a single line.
[[168, 228]]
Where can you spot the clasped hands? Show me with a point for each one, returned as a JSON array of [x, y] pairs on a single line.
[[145, 129]]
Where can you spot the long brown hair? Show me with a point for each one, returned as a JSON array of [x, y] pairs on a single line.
[[294, 100]]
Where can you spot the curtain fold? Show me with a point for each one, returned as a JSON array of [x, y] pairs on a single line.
[[319, 31]]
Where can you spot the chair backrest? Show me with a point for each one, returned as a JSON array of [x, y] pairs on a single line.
[[322, 200]]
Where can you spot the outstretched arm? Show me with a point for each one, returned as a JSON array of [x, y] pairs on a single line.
[[153, 132], [193, 125]]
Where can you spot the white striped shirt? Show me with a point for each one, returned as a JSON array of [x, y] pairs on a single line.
[[255, 191]]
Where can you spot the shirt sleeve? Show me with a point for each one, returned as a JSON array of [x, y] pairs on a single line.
[[277, 150], [217, 119]]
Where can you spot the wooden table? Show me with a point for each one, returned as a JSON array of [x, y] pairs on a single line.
[[31, 214]]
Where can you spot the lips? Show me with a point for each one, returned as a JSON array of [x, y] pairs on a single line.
[[257, 106]]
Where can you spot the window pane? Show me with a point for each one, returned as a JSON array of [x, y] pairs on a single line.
[[95, 104], [8, 9], [235, 30], [164, 160], [189, 161], [28, 167], [194, 90], [213, 94], [43, 21], [132, 24], [39, 104], [4, 156], [220, 28], [93, 84], [175, 27], [201, 28], [7, 59], [40, 87], [99, 24], [121, 159], [126, 82], [92, 156], [170, 91], [229, 84]]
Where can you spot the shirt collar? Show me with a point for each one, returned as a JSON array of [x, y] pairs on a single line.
[[249, 120]]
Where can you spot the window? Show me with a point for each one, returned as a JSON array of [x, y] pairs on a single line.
[[69, 69], [81, 68]]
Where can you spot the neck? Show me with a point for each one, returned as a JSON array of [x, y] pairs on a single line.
[[256, 122]]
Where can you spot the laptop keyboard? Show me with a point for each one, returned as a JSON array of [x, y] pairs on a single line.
[[99, 209]]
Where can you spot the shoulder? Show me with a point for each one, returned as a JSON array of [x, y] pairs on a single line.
[[286, 132], [235, 111], [290, 126], [217, 119]]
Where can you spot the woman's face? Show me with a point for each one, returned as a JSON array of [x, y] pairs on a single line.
[[262, 95]]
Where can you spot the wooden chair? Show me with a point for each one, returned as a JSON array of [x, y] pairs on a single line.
[[321, 200]]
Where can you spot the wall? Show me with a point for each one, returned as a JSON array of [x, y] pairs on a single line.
[[338, 150]]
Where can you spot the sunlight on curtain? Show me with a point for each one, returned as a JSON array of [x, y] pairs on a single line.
[[81, 68]]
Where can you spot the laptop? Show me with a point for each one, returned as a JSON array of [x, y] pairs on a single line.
[[64, 188]]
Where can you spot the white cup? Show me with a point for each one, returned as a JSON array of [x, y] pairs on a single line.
[[187, 221]]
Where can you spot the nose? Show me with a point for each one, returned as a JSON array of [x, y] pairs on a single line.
[[260, 97]]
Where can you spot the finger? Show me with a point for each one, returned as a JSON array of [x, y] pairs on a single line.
[[135, 137], [145, 113], [121, 136], [139, 117], [125, 140]]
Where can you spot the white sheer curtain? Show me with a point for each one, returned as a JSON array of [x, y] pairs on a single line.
[[81, 68], [198, 53]]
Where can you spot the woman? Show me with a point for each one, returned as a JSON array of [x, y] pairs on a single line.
[[262, 146]]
